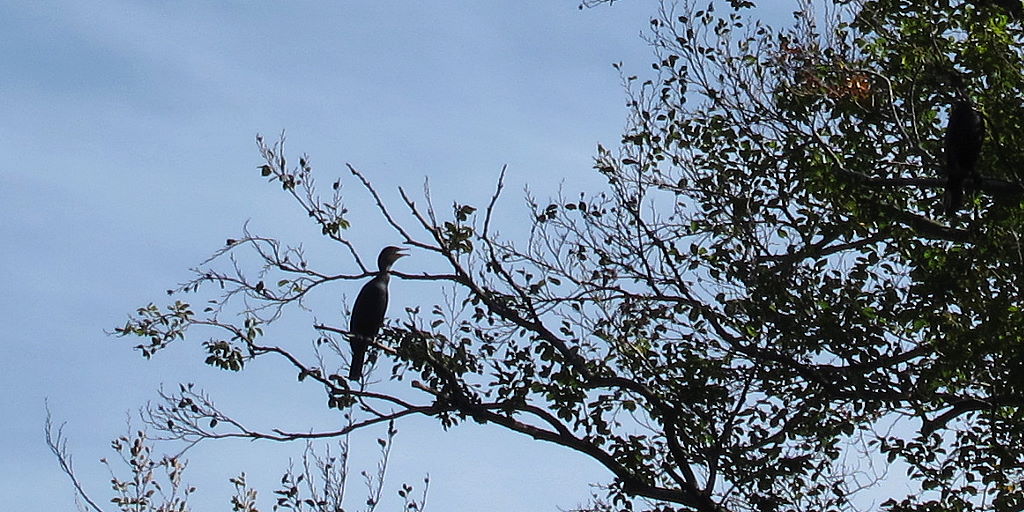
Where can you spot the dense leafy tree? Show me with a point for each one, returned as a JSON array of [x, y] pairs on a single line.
[[765, 309]]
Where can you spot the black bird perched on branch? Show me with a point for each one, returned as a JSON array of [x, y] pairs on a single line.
[[964, 135], [1012, 7], [368, 311]]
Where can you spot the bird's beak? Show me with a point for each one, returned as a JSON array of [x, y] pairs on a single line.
[[400, 254]]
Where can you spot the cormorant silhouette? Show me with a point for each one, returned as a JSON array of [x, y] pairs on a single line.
[[368, 311], [964, 135]]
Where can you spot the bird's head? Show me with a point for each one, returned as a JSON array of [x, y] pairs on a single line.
[[388, 256]]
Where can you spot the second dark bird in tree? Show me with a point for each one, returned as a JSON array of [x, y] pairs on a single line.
[[964, 135], [368, 311], [1012, 7]]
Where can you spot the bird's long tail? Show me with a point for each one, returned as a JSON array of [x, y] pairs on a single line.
[[954, 197], [355, 371]]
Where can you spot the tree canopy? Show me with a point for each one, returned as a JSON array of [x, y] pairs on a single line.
[[765, 309]]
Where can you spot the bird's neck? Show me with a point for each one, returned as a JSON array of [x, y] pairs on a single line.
[[384, 274]]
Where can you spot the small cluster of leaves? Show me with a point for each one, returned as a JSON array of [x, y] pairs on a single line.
[[161, 327], [142, 489], [458, 236], [298, 181]]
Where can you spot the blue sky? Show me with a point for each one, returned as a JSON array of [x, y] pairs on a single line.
[[127, 130]]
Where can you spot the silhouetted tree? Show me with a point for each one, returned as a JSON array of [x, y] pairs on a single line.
[[759, 312]]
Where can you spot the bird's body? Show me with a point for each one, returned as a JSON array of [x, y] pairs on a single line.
[[964, 135], [367, 319], [368, 310]]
